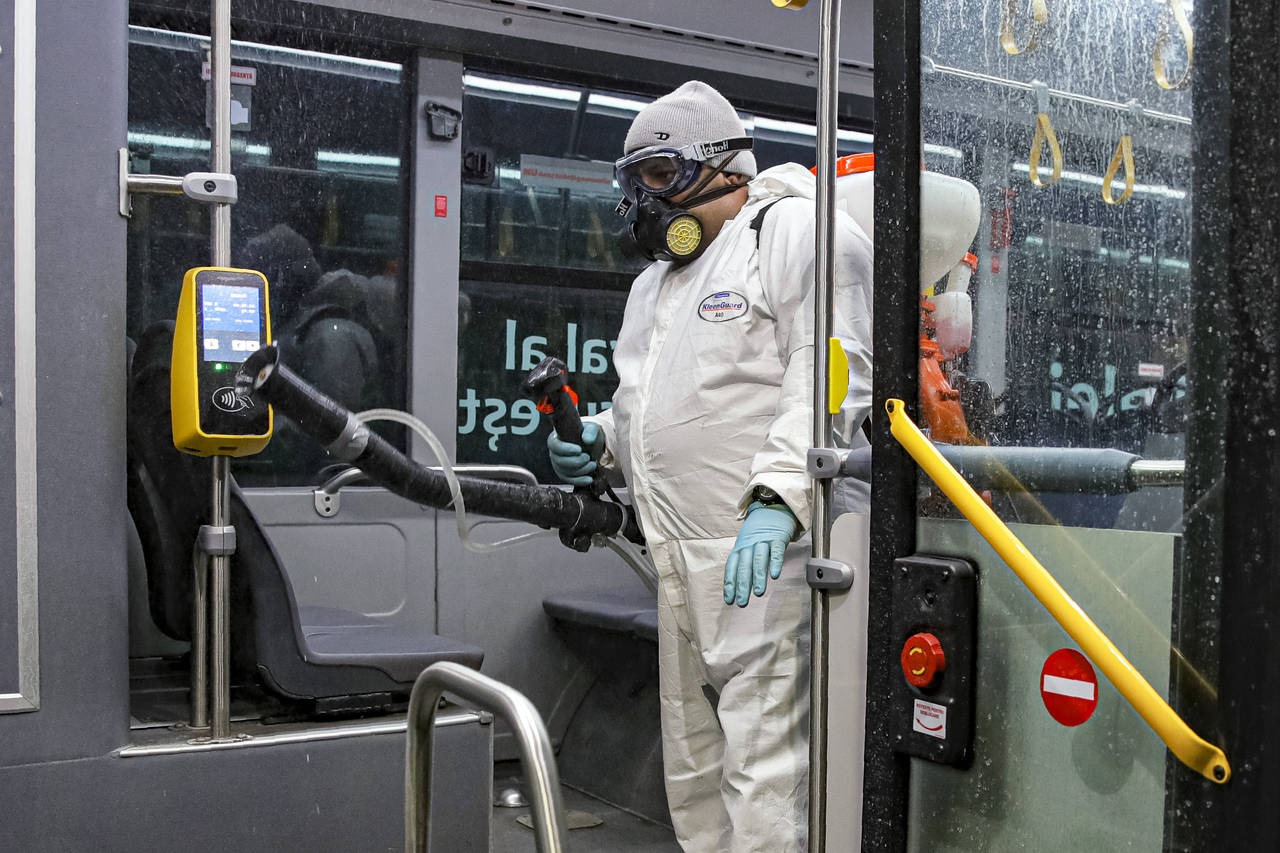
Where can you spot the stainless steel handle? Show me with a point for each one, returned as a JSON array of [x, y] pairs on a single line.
[[511, 473], [503, 701], [345, 477]]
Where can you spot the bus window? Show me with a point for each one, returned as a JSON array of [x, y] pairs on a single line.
[[318, 142], [546, 260]]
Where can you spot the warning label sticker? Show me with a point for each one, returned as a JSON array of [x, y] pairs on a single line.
[[930, 719]]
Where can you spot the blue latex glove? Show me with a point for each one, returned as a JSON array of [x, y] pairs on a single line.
[[762, 541], [571, 463]]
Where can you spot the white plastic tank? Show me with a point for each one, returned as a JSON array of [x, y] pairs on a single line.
[[950, 212]]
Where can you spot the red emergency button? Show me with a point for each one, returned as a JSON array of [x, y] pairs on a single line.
[[922, 659]]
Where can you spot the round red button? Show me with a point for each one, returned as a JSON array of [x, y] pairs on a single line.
[[922, 659]]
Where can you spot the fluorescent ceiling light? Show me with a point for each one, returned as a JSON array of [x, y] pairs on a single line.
[[354, 159], [187, 143], [617, 103], [802, 129], [1158, 190], [511, 87], [311, 59], [944, 151]]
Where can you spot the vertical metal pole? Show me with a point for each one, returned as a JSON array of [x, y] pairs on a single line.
[[220, 591], [220, 76], [824, 294], [220, 609], [199, 639]]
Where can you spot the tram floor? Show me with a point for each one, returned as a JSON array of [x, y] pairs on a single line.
[[618, 832]]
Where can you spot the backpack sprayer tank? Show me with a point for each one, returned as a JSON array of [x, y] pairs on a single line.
[[950, 212]]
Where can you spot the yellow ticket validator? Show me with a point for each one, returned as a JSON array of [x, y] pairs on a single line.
[[223, 318]]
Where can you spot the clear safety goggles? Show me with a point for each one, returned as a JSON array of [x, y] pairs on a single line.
[[663, 172]]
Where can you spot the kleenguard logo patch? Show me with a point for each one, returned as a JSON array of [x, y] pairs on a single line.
[[722, 307]]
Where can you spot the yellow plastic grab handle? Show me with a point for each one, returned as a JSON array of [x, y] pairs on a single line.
[[837, 375], [1044, 133], [1190, 748], [1173, 10], [1124, 152], [1039, 18]]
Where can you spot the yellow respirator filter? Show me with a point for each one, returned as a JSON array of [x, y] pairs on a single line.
[[684, 234]]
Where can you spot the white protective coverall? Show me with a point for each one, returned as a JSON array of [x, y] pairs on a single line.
[[711, 402]]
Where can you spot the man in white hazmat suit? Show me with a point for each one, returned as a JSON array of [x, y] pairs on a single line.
[[710, 426]]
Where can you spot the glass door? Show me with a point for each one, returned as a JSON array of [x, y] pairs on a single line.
[[1057, 344]]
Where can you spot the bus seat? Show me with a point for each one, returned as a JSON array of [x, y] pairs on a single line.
[[645, 625], [611, 743], [606, 610], [318, 652], [299, 652]]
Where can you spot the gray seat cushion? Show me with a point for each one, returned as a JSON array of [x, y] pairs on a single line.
[[402, 652], [645, 626], [607, 609]]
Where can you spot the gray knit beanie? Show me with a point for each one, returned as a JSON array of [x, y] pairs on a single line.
[[693, 113]]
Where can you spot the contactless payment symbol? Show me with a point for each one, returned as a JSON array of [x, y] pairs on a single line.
[[228, 400], [1069, 687]]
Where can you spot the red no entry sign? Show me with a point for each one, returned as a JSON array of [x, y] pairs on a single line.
[[1069, 687]]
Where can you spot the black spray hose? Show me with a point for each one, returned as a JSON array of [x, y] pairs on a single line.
[[349, 439]]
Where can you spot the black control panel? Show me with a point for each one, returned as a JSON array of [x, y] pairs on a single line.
[[935, 608]]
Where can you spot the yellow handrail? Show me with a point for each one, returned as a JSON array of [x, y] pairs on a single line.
[[1190, 748]]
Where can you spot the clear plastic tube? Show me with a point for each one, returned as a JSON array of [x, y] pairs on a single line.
[[455, 489]]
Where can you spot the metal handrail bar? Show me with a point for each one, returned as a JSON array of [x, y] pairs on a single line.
[[504, 702], [1057, 94], [506, 473]]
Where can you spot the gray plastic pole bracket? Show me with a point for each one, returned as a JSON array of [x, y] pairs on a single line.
[[823, 463], [217, 541], [828, 574]]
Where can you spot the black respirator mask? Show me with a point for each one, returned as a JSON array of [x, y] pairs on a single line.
[[669, 232], [666, 231]]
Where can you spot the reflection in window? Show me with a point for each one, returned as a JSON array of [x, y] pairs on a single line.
[[317, 148], [1080, 305], [546, 259], [545, 195]]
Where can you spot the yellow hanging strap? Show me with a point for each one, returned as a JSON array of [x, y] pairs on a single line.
[[1044, 133], [1124, 154], [1039, 18], [1173, 13], [1190, 748]]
